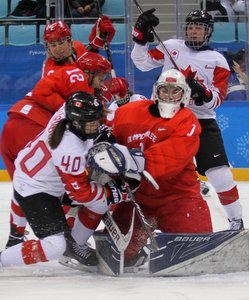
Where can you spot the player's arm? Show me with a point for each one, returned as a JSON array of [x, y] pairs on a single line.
[[142, 36], [169, 157], [165, 160], [51, 91], [211, 96]]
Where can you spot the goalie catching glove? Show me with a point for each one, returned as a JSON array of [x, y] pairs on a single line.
[[115, 159], [102, 27]]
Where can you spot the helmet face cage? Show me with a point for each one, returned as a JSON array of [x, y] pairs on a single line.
[[199, 18], [80, 109], [171, 78]]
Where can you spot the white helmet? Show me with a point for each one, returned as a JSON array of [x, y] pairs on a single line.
[[176, 90]]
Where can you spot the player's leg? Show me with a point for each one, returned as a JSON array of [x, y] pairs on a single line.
[[21, 131], [47, 220], [212, 162]]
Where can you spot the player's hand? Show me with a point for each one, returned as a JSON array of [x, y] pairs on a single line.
[[199, 92], [117, 86], [102, 27], [142, 30], [115, 192]]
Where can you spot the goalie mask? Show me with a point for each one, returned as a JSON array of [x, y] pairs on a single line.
[[84, 113], [199, 28], [171, 93]]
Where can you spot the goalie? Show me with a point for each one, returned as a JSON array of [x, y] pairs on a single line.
[[168, 135]]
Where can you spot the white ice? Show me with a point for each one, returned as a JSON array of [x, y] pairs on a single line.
[[50, 280]]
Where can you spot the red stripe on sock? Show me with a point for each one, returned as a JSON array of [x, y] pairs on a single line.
[[32, 252], [229, 197]]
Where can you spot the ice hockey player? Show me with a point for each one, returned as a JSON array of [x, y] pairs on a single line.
[[168, 135], [63, 50], [29, 116], [47, 172], [207, 74]]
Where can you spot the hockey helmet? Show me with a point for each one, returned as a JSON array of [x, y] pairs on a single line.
[[202, 18], [91, 62], [81, 108], [56, 31]]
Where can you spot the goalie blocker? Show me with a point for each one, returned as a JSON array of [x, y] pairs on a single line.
[[184, 254]]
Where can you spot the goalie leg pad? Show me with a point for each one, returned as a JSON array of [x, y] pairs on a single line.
[[111, 260], [196, 254]]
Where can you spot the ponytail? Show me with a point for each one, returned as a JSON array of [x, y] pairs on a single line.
[[57, 135]]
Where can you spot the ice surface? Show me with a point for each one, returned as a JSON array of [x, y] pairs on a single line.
[[52, 281]]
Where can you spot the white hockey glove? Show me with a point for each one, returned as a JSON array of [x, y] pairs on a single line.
[[115, 159]]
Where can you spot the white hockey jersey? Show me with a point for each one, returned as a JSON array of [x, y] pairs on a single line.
[[56, 171], [207, 66]]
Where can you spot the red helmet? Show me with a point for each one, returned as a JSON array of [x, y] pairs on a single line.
[[56, 31], [93, 62]]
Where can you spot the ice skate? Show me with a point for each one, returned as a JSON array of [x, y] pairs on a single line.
[[81, 258], [236, 224]]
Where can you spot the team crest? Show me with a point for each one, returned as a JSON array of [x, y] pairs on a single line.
[[174, 53], [77, 103]]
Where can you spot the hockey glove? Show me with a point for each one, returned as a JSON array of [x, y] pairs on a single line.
[[115, 160], [102, 27], [104, 135], [119, 87], [142, 30], [114, 87], [116, 192], [199, 92]]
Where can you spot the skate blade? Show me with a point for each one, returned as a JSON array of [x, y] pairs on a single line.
[[74, 264]]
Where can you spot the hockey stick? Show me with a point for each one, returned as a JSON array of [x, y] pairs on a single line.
[[158, 38], [121, 241], [153, 246], [106, 44]]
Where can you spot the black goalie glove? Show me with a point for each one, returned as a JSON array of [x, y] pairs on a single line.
[[142, 30], [199, 92]]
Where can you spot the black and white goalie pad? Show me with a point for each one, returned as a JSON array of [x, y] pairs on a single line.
[[198, 254], [186, 254]]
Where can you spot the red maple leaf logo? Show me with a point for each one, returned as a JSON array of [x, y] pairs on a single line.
[[188, 73]]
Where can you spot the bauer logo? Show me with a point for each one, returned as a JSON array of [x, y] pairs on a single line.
[[192, 239], [111, 228]]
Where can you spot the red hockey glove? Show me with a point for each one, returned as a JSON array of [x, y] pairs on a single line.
[[101, 27], [119, 87], [114, 87], [199, 92], [142, 31]]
